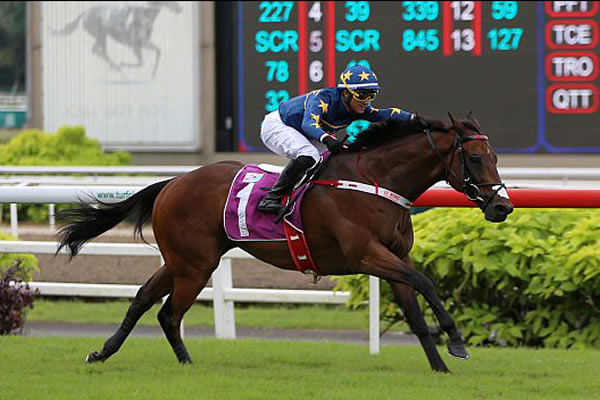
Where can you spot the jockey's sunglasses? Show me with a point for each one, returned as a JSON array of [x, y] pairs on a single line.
[[364, 94]]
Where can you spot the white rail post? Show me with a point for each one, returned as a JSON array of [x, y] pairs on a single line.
[[224, 311], [52, 216], [373, 315], [14, 220]]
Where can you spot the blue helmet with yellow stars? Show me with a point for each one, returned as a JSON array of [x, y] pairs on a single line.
[[358, 77]]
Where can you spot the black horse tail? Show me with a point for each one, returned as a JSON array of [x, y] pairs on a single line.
[[69, 28], [85, 221]]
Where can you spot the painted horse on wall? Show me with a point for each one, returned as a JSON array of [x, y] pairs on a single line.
[[130, 25]]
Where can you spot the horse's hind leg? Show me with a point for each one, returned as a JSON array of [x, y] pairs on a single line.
[[99, 48], [405, 297], [138, 55], [186, 288], [157, 286]]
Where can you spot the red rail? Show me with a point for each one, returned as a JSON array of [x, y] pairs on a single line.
[[523, 198]]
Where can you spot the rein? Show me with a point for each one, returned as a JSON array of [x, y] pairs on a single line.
[[469, 188]]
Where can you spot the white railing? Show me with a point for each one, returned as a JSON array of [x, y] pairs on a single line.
[[222, 293], [507, 173], [109, 189], [154, 170]]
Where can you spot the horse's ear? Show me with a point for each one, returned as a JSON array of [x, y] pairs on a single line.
[[475, 121], [458, 127], [451, 119]]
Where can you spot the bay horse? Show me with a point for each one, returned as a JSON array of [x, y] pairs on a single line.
[[347, 232]]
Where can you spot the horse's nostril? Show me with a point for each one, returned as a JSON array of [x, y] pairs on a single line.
[[503, 208]]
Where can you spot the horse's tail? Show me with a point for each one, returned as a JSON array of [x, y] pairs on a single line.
[[86, 221], [69, 28]]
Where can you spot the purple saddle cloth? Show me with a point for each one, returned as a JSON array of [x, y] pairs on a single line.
[[243, 220]]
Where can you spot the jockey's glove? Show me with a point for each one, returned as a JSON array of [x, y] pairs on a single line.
[[333, 145], [424, 122]]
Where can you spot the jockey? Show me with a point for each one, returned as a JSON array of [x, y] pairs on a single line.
[[299, 124]]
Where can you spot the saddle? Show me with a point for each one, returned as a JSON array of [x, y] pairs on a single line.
[[243, 221]]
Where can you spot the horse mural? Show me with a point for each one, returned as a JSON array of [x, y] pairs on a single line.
[[348, 232], [130, 25]]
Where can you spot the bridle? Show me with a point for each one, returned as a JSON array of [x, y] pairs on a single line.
[[470, 188]]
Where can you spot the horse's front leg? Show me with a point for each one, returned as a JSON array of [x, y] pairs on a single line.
[[154, 48], [405, 297], [381, 262]]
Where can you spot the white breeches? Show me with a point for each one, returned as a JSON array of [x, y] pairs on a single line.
[[287, 141]]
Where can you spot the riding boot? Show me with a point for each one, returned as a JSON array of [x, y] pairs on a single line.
[[288, 178]]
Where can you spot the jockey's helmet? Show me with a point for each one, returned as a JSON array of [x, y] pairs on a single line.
[[358, 77]]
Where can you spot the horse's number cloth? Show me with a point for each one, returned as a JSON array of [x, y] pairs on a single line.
[[243, 221]]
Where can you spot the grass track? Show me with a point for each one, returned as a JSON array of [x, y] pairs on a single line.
[[53, 368]]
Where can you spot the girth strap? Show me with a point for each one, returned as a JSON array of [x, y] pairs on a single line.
[[365, 188]]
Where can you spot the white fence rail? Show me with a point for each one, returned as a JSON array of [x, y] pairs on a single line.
[[221, 293], [505, 173]]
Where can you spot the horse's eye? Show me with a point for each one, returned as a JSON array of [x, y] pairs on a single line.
[[475, 159]]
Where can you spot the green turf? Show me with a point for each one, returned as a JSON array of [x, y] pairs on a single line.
[[53, 368], [278, 317]]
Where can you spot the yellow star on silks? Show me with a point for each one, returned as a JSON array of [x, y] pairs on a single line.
[[396, 111], [323, 105], [364, 76], [316, 118], [374, 110], [346, 76]]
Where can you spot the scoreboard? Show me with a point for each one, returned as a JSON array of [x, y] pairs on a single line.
[[528, 70]]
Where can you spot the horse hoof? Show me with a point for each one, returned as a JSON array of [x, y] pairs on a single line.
[[458, 351], [440, 368], [93, 357]]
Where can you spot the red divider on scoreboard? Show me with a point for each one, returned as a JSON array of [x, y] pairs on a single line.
[[521, 198]]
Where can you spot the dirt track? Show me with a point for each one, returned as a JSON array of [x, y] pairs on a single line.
[[135, 270]]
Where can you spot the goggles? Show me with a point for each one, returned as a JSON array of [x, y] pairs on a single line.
[[364, 95]]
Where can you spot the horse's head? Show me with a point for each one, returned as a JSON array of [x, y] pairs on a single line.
[[473, 170]]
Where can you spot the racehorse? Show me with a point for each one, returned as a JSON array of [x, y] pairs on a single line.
[[347, 232], [130, 25]]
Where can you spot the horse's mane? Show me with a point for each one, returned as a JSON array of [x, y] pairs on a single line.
[[384, 131]]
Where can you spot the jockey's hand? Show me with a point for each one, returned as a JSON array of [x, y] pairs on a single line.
[[333, 145]]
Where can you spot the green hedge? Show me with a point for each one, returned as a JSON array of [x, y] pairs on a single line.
[[29, 262], [68, 146], [533, 280]]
